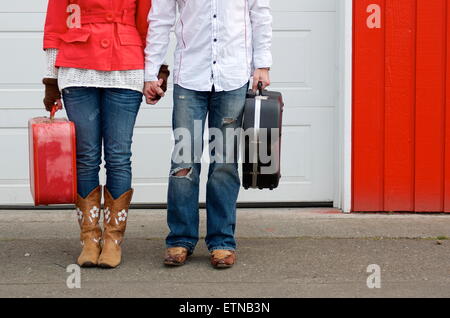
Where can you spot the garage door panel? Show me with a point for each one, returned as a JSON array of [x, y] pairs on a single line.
[[17, 62], [18, 118], [15, 193], [22, 21], [14, 176], [151, 154], [308, 72], [23, 6], [30, 97], [304, 5], [303, 145], [150, 117], [14, 155], [298, 170], [304, 50], [277, 5]]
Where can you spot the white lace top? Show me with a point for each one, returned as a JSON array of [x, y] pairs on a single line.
[[70, 77]]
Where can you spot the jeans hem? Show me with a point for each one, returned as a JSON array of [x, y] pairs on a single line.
[[226, 248], [187, 245]]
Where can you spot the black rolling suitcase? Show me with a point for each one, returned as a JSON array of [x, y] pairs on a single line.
[[262, 139]]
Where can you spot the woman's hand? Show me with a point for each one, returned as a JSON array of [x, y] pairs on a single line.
[[164, 74], [52, 94]]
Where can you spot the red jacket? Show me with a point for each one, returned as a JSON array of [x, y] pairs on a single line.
[[104, 35]]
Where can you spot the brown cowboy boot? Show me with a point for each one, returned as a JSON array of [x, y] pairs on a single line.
[[223, 258], [88, 212], [176, 256], [115, 223]]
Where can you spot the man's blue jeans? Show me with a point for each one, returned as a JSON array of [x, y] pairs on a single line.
[[108, 115], [224, 111]]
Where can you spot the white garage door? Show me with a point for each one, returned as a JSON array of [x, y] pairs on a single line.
[[305, 55]]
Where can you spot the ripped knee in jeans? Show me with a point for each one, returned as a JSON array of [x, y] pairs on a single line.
[[182, 173], [228, 121]]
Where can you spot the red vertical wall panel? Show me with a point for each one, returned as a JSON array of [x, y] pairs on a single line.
[[430, 101], [447, 122], [369, 116], [401, 106], [399, 79]]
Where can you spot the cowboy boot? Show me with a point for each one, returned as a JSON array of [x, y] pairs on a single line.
[[223, 258], [115, 222], [88, 212], [176, 256]]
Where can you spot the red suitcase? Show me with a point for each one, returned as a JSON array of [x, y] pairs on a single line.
[[53, 177]]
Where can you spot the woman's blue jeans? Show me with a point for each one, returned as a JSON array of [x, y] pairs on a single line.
[[224, 111], [105, 115]]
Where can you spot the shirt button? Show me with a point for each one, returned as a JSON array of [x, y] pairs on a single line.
[[214, 62], [215, 40], [215, 16], [105, 43]]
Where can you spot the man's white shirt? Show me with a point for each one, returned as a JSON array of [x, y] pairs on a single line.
[[219, 42]]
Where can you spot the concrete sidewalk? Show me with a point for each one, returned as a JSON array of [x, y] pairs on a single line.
[[282, 253]]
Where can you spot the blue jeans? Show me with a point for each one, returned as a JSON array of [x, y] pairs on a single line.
[[224, 110], [108, 115]]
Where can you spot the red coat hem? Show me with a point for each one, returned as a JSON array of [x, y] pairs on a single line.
[[110, 68]]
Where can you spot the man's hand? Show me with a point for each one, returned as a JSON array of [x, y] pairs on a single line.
[[261, 75], [153, 91]]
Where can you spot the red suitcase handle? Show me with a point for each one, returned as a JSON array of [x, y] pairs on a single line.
[[55, 108]]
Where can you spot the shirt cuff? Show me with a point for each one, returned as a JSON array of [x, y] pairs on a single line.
[[151, 72], [150, 77], [51, 71], [262, 60]]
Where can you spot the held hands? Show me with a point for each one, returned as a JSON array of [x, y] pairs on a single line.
[[153, 91], [261, 75]]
